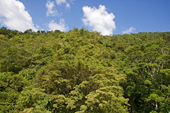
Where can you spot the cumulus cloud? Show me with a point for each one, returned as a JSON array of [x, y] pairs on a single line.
[[57, 26], [59, 2], [99, 19], [14, 16], [127, 31], [50, 11]]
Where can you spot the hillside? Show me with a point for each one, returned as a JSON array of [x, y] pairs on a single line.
[[84, 72]]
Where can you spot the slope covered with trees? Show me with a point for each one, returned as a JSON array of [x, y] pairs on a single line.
[[84, 72]]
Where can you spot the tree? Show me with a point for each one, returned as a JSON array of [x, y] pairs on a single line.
[[146, 77]]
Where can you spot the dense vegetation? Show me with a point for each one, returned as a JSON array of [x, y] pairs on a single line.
[[84, 72]]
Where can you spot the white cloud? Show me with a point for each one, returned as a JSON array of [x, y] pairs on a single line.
[[127, 31], [57, 26], [37, 26], [59, 2], [14, 16], [50, 11], [67, 5], [99, 19]]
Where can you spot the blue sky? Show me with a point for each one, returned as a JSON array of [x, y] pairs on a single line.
[[105, 16]]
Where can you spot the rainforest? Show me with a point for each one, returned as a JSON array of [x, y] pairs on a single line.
[[82, 71]]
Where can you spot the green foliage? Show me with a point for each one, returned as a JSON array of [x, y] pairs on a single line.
[[144, 65], [84, 72]]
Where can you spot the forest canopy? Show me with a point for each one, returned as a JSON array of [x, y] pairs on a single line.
[[84, 72]]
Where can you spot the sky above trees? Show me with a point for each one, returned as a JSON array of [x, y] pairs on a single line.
[[105, 16]]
